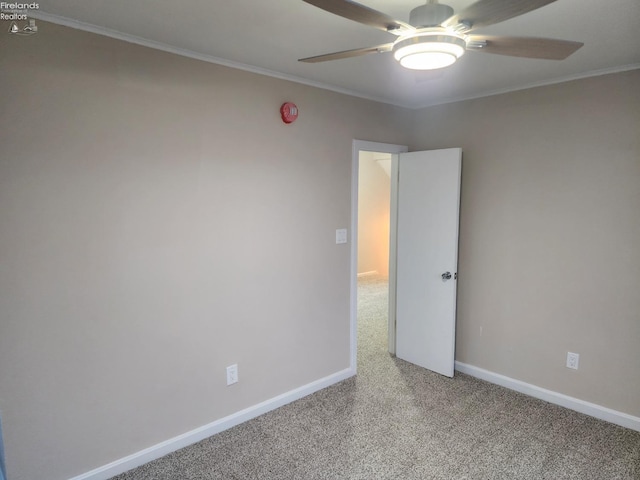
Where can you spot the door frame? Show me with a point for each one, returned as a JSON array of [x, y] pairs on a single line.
[[357, 147]]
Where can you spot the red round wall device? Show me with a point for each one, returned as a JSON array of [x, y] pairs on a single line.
[[289, 112]]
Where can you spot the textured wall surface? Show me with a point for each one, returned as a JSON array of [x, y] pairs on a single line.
[[160, 222], [549, 234]]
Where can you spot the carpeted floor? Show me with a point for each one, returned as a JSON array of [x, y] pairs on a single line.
[[398, 421]]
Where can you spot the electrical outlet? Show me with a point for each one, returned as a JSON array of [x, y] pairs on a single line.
[[232, 374], [572, 360]]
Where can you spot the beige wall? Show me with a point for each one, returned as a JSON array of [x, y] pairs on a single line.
[[158, 223], [550, 234], [374, 187]]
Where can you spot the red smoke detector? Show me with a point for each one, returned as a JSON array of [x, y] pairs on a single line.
[[289, 112]]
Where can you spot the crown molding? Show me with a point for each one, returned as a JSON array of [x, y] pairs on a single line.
[[88, 27]]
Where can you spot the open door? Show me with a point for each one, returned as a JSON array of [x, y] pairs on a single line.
[[427, 212]]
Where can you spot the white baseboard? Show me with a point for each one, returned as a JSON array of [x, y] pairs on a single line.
[[161, 449], [368, 274], [597, 411]]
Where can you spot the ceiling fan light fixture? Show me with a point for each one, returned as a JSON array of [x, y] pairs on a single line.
[[429, 51]]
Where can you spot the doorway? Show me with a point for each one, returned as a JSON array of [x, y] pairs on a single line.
[[374, 208], [371, 205], [422, 263]]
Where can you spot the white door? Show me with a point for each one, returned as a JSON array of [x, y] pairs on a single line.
[[428, 206]]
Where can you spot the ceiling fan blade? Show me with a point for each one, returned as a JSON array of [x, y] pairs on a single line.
[[361, 14], [488, 12], [348, 53], [528, 47]]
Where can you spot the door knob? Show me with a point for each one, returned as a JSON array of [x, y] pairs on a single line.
[[446, 276]]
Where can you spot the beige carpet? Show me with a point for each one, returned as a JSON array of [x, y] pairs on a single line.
[[397, 421]]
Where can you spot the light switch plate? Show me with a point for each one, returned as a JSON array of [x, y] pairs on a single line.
[[341, 235]]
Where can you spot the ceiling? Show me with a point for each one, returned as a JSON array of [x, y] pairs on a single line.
[[270, 36]]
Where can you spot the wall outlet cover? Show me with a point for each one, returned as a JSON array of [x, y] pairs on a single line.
[[232, 374], [573, 359]]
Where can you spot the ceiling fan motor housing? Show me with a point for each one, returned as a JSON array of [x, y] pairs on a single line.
[[429, 50], [430, 15]]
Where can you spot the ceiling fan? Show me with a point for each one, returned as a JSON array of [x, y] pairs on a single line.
[[435, 37]]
